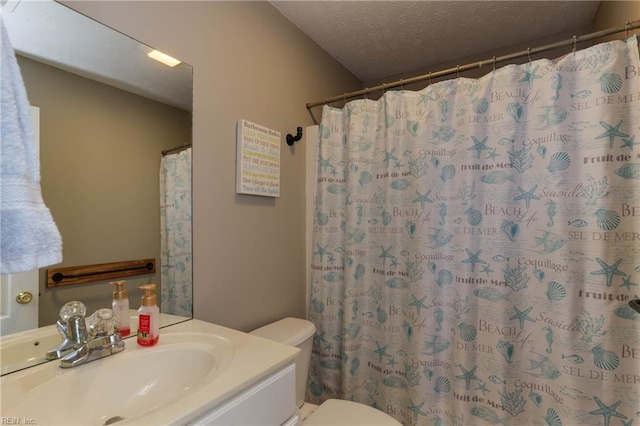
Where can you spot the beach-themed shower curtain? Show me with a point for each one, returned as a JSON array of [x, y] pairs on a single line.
[[175, 222], [476, 244]]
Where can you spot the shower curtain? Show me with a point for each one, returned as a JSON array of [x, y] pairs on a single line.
[[175, 234], [476, 244]]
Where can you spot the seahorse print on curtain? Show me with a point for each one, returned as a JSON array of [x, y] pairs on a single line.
[[176, 258], [476, 244]]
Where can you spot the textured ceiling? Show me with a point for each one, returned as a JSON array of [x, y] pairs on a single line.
[[377, 39], [373, 39]]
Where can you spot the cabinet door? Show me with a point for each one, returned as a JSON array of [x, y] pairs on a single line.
[[271, 401]]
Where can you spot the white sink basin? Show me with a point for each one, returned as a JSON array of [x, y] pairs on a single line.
[[195, 369], [123, 386], [26, 349]]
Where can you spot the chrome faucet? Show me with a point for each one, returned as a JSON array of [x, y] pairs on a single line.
[[97, 348], [73, 329], [80, 344]]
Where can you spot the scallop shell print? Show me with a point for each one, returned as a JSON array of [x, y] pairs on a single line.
[[552, 418], [442, 385], [559, 161], [468, 332], [610, 82], [389, 120], [365, 178], [480, 105], [317, 306], [322, 218], [606, 360], [474, 217], [448, 172], [386, 218], [445, 277], [555, 291], [607, 220]]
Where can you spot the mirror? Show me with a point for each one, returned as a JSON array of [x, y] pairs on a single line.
[[107, 112]]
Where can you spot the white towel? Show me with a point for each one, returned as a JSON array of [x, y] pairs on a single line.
[[29, 238]]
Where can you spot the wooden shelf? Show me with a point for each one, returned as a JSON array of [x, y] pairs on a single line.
[[57, 277]]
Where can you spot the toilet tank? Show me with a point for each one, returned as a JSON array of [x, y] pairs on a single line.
[[293, 332]]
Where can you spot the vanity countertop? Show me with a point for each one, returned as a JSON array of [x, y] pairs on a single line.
[[253, 359]]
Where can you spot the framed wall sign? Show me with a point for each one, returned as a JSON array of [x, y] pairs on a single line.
[[258, 160]]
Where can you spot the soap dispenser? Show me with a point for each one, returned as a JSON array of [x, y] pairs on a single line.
[[120, 306], [148, 317]]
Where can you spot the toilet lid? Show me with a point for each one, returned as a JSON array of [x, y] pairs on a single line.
[[336, 412]]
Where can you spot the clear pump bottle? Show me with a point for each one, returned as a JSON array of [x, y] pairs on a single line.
[[148, 317], [120, 306]]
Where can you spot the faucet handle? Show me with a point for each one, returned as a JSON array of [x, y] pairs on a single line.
[[72, 309], [102, 323], [77, 330]]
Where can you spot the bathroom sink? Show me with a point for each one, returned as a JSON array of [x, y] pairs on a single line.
[[122, 387], [26, 349]]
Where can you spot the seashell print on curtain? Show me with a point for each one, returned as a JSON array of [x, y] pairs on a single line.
[[176, 259], [476, 244]]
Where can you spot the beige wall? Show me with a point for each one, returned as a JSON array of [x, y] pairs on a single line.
[[615, 14], [249, 63], [100, 153]]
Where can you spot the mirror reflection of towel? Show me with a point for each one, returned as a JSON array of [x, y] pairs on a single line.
[[29, 238]]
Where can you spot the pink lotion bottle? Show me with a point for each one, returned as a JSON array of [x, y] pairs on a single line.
[[148, 317], [120, 306]]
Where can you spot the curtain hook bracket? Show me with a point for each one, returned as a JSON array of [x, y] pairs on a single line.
[[293, 139]]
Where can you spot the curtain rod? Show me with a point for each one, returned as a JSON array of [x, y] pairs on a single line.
[[176, 149], [385, 86]]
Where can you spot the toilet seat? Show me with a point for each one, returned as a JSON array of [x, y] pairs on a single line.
[[336, 412]]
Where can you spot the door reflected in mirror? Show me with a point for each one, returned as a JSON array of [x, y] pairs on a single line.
[[106, 116]]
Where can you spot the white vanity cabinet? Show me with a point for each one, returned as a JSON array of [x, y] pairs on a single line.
[[270, 402], [198, 373]]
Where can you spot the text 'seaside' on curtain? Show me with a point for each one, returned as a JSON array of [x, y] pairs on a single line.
[[476, 245]]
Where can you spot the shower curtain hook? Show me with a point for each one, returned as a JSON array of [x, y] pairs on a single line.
[[626, 29], [458, 70], [494, 63], [575, 42], [529, 54], [364, 95], [401, 85], [429, 78]]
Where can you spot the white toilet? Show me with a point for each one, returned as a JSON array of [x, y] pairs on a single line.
[[333, 412]]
